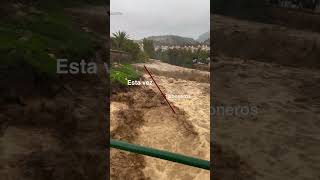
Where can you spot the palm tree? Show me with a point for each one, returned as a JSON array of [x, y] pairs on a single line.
[[119, 38]]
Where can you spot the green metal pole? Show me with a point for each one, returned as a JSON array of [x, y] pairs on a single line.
[[174, 157]]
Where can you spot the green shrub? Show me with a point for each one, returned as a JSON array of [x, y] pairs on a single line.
[[142, 57], [120, 41], [36, 41], [181, 57], [148, 47], [123, 73]]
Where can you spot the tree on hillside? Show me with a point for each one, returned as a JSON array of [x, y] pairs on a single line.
[[119, 39], [148, 47]]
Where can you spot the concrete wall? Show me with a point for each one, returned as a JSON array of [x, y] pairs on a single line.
[[119, 56]]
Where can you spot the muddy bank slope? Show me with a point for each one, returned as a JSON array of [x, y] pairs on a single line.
[[280, 140], [265, 42]]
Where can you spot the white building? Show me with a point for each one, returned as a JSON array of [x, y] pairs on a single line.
[[192, 48]]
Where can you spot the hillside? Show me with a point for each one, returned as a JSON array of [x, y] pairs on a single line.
[[204, 37], [172, 40]]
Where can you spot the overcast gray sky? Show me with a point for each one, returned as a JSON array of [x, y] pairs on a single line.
[[142, 18]]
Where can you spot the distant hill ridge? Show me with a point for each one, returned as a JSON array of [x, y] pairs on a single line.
[[172, 40], [175, 40], [204, 37]]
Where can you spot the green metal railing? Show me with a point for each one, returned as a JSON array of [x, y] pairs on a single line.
[[174, 157]]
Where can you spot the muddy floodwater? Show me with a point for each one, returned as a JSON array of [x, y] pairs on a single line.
[[140, 115]]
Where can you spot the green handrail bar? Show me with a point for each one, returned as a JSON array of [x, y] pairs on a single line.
[[174, 157]]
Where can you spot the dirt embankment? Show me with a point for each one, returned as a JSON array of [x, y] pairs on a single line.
[[281, 139], [265, 42], [54, 130], [295, 18], [60, 137], [275, 70], [141, 116]]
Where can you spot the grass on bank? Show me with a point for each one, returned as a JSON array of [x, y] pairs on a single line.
[[35, 39], [121, 74]]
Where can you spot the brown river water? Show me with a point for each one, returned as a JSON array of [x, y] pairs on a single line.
[[141, 116]]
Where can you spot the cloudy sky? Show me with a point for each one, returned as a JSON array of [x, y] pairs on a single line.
[[142, 18]]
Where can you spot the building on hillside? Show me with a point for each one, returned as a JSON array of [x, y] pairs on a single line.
[[189, 47]]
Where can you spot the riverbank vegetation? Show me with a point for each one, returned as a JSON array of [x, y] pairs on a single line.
[[120, 41], [122, 73], [182, 57], [33, 35]]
